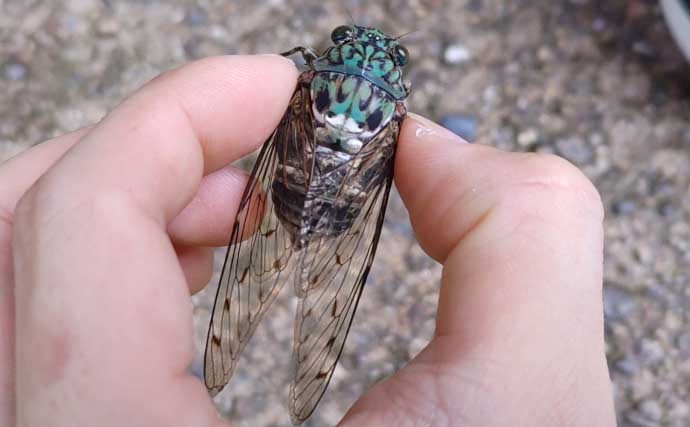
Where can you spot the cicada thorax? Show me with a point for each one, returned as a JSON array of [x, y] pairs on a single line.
[[349, 114]]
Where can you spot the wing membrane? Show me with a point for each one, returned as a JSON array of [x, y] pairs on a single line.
[[331, 275], [258, 259]]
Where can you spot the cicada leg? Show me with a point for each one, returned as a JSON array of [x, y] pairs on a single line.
[[400, 111], [308, 54], [305, 78]]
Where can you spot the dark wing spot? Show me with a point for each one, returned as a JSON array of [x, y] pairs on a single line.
[[322, 99], [215, 339], [374, 119], [335, 308]]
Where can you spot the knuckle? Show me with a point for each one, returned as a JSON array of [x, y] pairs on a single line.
[[27, 214], [27, 206], [550, 180]]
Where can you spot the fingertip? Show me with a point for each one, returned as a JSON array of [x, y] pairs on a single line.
[[422, 146], [428, 171], [208, 219], [251, 92], [426, 128], [197, 265], [184, 124]]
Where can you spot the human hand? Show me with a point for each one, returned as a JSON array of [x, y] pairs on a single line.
[[519, 337], [101, 252]]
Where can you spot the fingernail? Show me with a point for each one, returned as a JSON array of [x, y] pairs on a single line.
[[275, 55], [425, 128]]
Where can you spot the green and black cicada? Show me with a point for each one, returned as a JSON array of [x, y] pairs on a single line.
[[313, 209]]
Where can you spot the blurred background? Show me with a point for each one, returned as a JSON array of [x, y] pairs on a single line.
[[601, 83]]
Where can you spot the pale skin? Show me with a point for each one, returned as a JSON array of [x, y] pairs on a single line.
[[104, 233]]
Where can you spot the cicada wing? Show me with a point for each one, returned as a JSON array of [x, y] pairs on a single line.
[[333, 271], [257, 262]]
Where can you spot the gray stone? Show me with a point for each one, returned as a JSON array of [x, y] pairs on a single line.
[[575, 149], [651, 351], [15, 71], [679, 410], [651, 409], [528, 137], [462, 125], [683, 344], [623, 207], [627, 365], [455, 54], [618, 303]]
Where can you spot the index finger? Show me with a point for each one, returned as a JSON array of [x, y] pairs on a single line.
[[187, 122], [103, 313]]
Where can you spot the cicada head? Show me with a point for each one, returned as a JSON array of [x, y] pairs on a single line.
[[369, 53], [374, 37]]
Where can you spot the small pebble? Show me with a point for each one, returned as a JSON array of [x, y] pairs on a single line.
[[456, 54], [683, 343], [15, 71], [618, 303], [643, 48], [651, 409], [623, 207], [627, 366], [575, 149], [599, 24], [528, 137], [641, 384], [651, 351], [680, 411], [195, 17], [461, 125], [636, 419]]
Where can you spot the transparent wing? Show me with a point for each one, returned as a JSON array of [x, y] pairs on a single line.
[[257, 262], [332, 272]]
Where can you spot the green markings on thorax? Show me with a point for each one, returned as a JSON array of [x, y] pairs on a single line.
[[368, 59], [354, 97]]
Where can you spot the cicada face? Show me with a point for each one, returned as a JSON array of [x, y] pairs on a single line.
[[368, 53], [313, 210]]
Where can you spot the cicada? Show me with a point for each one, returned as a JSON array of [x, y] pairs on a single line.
[[312, 211]]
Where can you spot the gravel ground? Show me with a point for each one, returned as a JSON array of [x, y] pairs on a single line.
[[598, 82]]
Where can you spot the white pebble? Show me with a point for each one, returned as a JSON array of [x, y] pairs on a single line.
[[457, 54]]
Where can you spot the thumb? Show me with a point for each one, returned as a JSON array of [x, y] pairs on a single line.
[[519, 330]]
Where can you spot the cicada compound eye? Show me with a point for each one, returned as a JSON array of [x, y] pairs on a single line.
[[341, 34], [401, 55]]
